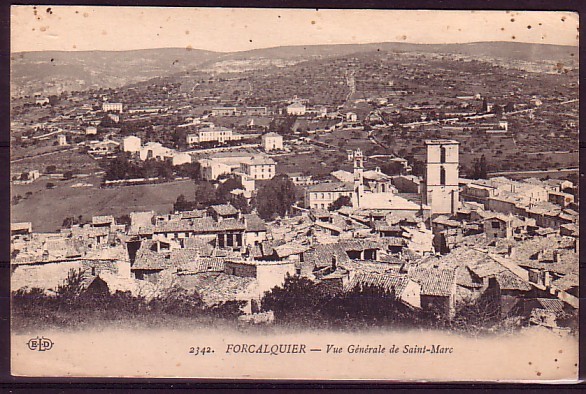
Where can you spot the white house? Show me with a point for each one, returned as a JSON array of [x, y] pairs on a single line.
[[113, 107], [212, 134], [131, 144], [178, 158], [42, 101], [91, 130], [296, 109], [61, 140], [272, 141], [153, 150], [259, 168], [351, 117]]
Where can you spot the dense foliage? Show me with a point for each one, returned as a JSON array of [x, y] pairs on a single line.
[[276, 197], [342, 201], [75, 303], [305, 303], [122, 167]]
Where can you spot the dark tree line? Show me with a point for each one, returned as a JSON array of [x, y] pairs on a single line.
[[122, 167], [206, 194], [305, 303]]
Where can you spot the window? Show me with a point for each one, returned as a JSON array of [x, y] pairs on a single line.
[[442, 154], [496, 225], [442, 175]]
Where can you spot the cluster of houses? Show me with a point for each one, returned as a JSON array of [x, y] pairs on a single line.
[[154, 150], [437, 252]]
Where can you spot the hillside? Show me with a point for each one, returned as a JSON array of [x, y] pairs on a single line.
[[55, 71]]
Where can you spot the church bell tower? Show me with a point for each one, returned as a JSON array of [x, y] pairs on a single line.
[[440, 187]]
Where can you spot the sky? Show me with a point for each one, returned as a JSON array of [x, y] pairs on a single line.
[[75, 28]]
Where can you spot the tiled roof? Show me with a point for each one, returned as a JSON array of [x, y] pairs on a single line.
[[321, 256], [290, 249], [381, 225], [224, 209], [446, 221], [552, 305], [371, 266], [523, 250], [360, 245], [434, 281], [147, 259], [474, 265], [218, 287], [200, 225], [261, 161], [394, 284], [320, 213], [566, 265], [194, 213], [332, 187], [204, 264], [509, 281], [545, 208], [254, 223], [567, 282], [328, 226], [466, 278], [204, 244]]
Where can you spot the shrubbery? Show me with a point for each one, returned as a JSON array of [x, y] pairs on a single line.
[[304, 303], [74, 305]]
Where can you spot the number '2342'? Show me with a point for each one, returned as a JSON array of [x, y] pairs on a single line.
[[197, 351]]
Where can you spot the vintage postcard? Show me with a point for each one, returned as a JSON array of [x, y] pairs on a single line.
[[365, 195]]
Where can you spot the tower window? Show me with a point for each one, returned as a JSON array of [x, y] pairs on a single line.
[[442, 176], [442, 154]]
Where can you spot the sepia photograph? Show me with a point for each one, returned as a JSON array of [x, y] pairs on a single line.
[[294, 194]]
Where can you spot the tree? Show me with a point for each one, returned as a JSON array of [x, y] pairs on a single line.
[[276, 197], [418, 167], [205, 194], [239, 202], [181, 204], [50, 185], [73, 285], [298, 300], [67, 175], [124, 219], [191, 170], [223, 191], [497, 110], [68, 222], [342, 201], [24, 176], [51, 169], [392, 168], [484, 105], [480, 168], [53, 100]]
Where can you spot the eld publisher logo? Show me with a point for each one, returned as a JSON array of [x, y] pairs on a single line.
[[41, 344]]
